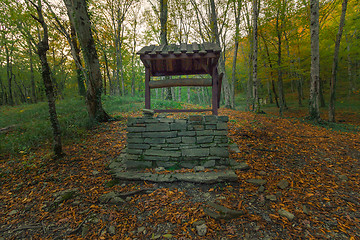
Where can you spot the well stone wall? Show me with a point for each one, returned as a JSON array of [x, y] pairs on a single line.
[[177, 143]]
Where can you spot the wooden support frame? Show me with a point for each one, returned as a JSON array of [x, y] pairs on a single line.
[[183, 59], [193, 82]]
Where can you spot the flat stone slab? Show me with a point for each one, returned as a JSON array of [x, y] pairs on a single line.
[[283, 184], [241, 166], [195, 177], [234, 148], [284, 213], [259, 182]]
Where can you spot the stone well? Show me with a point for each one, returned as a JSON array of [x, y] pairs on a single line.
[[177, 143]]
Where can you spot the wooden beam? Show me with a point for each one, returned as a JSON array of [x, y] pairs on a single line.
[[198, 82], [181, 110], [181, 56]]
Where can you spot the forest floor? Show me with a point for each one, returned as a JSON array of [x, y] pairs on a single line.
[[42, 198]]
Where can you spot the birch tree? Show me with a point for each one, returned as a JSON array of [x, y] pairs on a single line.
[[314, 112], [255, 56]]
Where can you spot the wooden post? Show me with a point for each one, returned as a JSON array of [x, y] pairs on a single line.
[[215, 81], [220, 77], [147, 88]]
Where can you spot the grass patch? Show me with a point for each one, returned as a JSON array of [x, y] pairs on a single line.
[[166, 104], [31, 127], [341, 127], [116, 105]]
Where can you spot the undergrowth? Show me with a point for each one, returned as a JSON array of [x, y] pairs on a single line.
[[30, 126]]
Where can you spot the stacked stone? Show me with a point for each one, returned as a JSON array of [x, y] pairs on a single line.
[[177, 143]]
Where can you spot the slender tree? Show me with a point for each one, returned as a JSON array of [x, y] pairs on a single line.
[[314, 112], [135, 25], [255, 89], [335, 63], [79, 17], [280, 16], [215, 37], [42, 48], [32, 78], [9, 71], [237, 10], [75, 50], [163, 33]]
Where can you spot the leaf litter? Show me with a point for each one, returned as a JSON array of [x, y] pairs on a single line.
[[321, 168]]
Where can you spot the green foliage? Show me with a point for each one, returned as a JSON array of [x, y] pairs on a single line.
[[166, 104], [341, 127], [118, 104], [31, 125]]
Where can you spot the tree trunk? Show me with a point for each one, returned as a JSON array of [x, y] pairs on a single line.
[[108, 74], [299, 90], [80, 18], [335, 63], [32, 78], [221, 66], [233, 74], [106, 69], [3, 96], [121, 66], [349, 68], [321, 93], [237, 11], [42, 48], [255, 57], [269, 92], [77, 60], [9, 75], [133, 60], [163, 36], [22, 95], [118, 43], [282, 103], [188, 94], [314, 112]]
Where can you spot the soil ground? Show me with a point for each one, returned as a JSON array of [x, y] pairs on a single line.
[[320, 164]]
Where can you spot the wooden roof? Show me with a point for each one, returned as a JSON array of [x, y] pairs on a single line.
[[182, 59]]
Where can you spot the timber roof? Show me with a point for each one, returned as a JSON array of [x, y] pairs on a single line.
[[188, 49], [182, 59]]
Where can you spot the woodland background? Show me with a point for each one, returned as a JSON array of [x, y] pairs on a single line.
[[58, 81], [120, 28]]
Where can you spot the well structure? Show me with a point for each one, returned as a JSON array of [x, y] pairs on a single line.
[[179, 60], [199, 140]]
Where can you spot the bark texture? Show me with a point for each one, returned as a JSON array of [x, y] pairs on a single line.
[[237, 11], [256, 105], [163, 36], [76, 55], [42, 48], [80, 19], [314, 113], [221, 64], [279, 30]]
